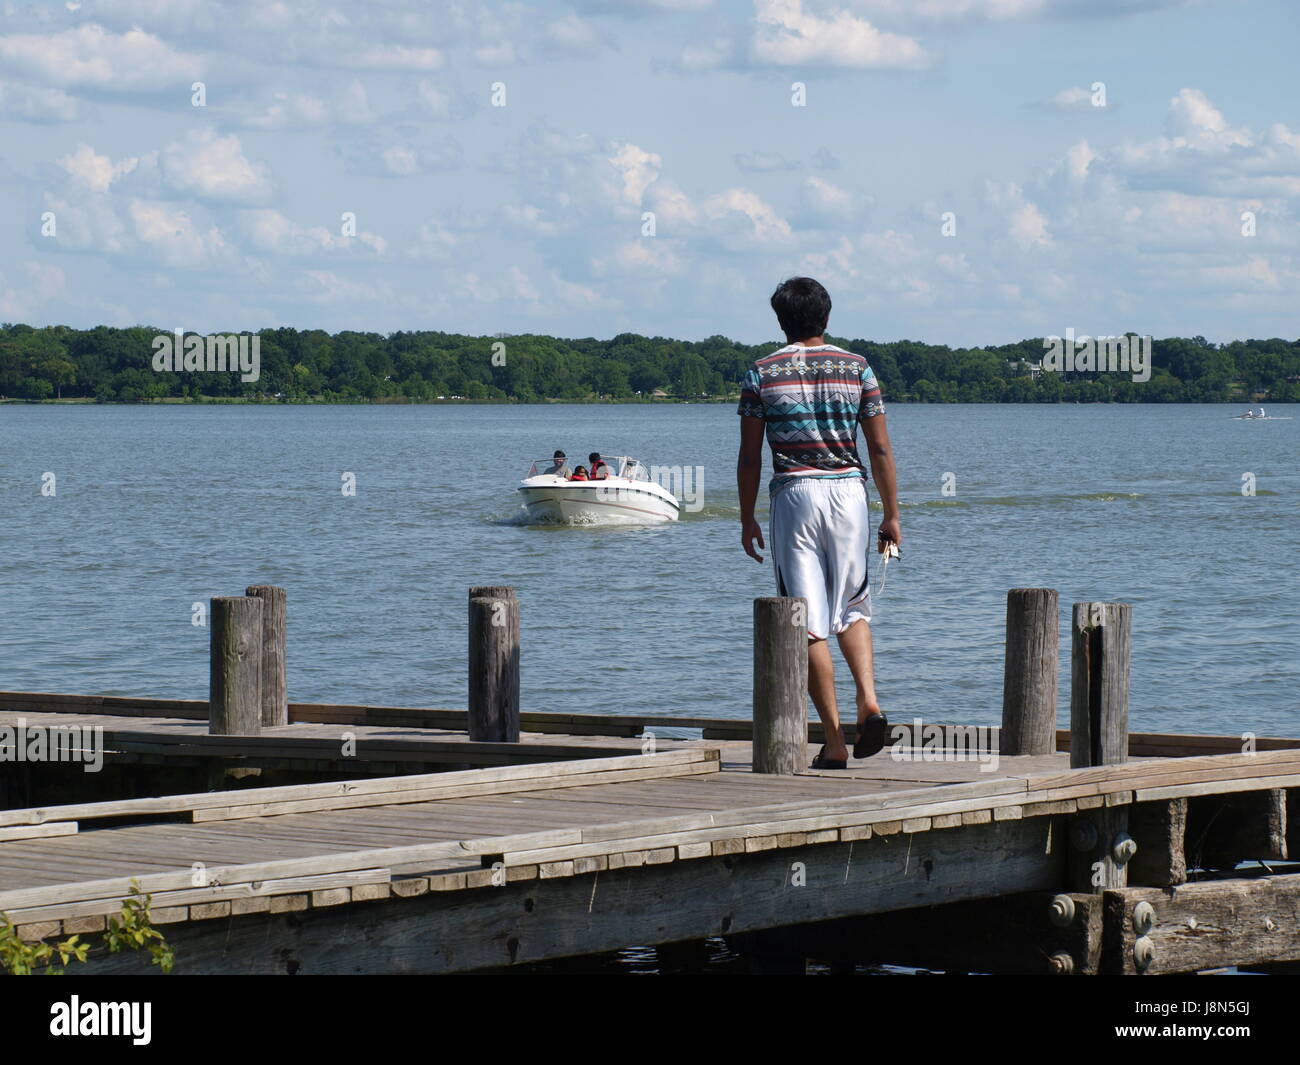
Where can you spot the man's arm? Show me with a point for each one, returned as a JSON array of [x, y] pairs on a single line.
[[749, 471], [881, 455]]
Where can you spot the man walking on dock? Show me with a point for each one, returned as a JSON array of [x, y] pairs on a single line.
[[808, 398]]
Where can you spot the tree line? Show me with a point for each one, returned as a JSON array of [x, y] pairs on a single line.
[[116, 366]]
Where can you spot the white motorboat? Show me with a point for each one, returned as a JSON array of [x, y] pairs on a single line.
[[626, 497]]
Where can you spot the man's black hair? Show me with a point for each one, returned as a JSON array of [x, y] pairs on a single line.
[[802, 307], [593, 456], [559, 455]]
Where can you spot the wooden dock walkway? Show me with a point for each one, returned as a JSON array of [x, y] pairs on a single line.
[[521, 862]]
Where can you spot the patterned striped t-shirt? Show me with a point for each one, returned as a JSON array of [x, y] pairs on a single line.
[[811, 400]]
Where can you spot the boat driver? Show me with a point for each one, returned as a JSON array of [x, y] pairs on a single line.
[[558, 466]]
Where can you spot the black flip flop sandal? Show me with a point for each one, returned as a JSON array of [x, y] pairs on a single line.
[[822, 762], [871, 736]]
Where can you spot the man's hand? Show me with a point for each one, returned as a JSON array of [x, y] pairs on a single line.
[[889, 532], [749, 532]]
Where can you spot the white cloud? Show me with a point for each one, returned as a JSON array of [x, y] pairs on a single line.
[[271, 231], [213, 167], [760, 162], [33, 103], [638, 169], [1074, 99], [391, 57], [95, 172], [90, 56], [351, 106], [169, 232], [572, 35], [647, 255], [787, 35], [327, 287], [1029, 227], [500, 53], [1201, 153], [435, 101], [46, 283], [742, 220], [823, 201]]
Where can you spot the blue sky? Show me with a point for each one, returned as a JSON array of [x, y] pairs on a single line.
[[529, 217]]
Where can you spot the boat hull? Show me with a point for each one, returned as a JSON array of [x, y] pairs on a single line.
[[613, 502]]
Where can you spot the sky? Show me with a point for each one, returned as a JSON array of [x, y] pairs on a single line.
[[961, 172]]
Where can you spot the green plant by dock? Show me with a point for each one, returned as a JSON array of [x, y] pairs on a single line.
[[130, 929]]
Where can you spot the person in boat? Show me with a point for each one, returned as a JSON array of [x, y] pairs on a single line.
[[1261, 413], [580, 474], [599, 467], [808, 399], [558, 466]]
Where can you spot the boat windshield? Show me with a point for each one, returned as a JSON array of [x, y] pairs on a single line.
[[619, 466]]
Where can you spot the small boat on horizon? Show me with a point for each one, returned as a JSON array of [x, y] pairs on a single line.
[[626, 497]]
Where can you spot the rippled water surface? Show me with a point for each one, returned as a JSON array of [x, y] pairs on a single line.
[[160, 507]]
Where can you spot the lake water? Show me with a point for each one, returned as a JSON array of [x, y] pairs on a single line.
[[160, 507]]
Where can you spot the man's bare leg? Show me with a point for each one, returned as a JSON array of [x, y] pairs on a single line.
[[821, 686], [855, 644]]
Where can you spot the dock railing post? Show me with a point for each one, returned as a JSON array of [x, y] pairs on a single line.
[[1100, 844], [275, 684], [493, 665], [235, 673], [1030, 672], [780, 685]]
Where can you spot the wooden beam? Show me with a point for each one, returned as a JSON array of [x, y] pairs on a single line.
[[452, 785], [1160, 830], [534, 920], [1201, 926], [1224, 830]]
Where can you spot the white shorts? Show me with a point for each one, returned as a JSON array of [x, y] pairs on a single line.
[[820, 531]]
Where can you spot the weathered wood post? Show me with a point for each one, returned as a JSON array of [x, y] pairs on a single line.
[[1100, 845], [494, 666], [275, 681], [1099, 670], [235, 677], [780, 685], [1029, 674]]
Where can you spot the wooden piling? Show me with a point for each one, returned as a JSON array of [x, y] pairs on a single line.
[[275, 683], [1101, 846], [1029, 675], [494, 668], [492, 591], [780, 685], [235, 676], [1099, 661]]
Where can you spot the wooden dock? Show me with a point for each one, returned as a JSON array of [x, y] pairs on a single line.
[[355, 839], [464, 870]]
